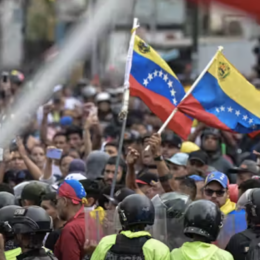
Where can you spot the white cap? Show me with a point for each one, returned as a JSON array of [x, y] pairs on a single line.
[[75, 176], [103, 96]]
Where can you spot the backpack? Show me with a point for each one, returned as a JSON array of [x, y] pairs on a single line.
[[253, 252]]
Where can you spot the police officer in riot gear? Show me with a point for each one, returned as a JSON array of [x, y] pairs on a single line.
[[133, 242], [30, 226], [11, 249], [239, 244], [202, 223]]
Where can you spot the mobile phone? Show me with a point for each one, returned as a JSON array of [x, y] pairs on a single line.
[[5, 76], [54, 153], [13, 146]]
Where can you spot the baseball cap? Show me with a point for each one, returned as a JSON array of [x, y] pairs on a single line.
[[33, 191], [74, 190], [147, 178], [219, 177], [172, 139], [120, 195], [77, 166], [90, 186], [66, 120], [196, 178], [179, 159], [199, 156], [246, 166], [75, 176]]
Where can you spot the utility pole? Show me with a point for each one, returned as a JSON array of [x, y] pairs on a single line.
[[195, 36]]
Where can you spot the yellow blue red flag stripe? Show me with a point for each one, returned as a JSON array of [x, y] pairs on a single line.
[[153, 81], [224, 99]]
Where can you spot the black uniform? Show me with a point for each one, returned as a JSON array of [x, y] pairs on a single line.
[[239, 243]]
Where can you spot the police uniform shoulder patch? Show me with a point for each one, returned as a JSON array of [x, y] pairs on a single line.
[[143, 47], [223, 70]]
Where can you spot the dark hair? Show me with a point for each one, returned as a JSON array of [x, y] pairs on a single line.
[[187, 182], [60, 134], [106, 191], [122, 164], [112, 143], [51, 196], [249, 184], [63, 156], [5, 187], [74, 130]]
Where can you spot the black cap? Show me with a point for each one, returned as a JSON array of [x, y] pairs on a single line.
[[120, 195], [172, 139], [147, 178], [246, 166], [90, 186], [199, 156]]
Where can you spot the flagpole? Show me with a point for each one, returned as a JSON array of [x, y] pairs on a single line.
[[220, 49], [124, 110]]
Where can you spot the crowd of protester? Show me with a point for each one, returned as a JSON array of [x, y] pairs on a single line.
[[64, 161]]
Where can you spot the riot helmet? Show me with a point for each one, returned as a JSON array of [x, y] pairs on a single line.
[[174, 203], [6, 199], [6, 214], [31, 220], [250, 201], [203, 218], [34, 191], [136, 209]]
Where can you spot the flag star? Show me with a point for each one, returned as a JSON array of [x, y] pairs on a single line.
[[230, 109], [254, 126], [217, 110], [160, 73], [170, 83], [237, 112], [145, 82], [222, 108], [150, 76], [165, 77], [245, 117], [250, 121], [174, 101], [155, 73], [173, 92]]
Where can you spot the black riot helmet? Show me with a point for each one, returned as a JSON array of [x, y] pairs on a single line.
[[252, 205], [174, 203], [136, 209], [203, 218], [6, 214], [31, 220]]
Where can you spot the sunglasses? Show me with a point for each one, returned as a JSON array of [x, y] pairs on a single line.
[[210, 192]]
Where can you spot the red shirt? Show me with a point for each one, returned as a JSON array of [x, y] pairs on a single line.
[[71, 242]]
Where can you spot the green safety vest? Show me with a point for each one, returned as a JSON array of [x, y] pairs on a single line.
[[12, 254]]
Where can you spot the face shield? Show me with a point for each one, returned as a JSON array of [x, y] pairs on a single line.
[[169, 213], [244, 200]]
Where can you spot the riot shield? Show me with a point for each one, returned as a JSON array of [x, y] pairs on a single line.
[[232, 224], [99, 223], [169, 215]]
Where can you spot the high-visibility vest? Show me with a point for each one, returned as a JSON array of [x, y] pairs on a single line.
[[12, 254]]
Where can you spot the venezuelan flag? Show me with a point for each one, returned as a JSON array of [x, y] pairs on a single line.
[[152, 80], [224, 99]]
